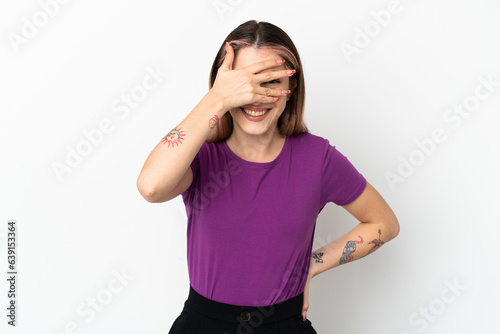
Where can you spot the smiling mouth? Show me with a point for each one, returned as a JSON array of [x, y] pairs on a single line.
[[256, 112]]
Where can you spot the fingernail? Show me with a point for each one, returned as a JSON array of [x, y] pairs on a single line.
[[291, 72], [281, 61], [227, 46], [304, 318], [276, 99], [284, 92]]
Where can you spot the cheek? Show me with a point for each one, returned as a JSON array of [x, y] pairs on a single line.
[[287, 83], [234, 111], [280, 107]]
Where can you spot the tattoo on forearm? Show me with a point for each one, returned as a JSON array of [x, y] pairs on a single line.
[[213, 121], [350, 247], [174, 137], [317, 257], [377, 243]]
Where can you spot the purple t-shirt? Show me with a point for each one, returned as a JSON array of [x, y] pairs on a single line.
[[251, 225]]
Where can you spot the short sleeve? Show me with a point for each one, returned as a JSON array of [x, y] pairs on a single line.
[[341, 183]]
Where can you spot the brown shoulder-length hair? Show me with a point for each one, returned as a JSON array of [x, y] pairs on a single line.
[[263, 34]]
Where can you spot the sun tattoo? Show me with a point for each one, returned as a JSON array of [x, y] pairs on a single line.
[[174, 137], [377, 243]]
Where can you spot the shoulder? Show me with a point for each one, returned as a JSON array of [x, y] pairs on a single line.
[[213, 153], [208, 147], [310, 142], [309, 137]]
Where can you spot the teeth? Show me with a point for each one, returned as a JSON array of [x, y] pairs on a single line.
[[255, 113]]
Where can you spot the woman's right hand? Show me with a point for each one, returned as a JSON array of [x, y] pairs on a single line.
[[237, 88]]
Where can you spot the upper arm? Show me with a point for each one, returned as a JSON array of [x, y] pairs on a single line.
[[371, 207], [181, 187], [183, 184]]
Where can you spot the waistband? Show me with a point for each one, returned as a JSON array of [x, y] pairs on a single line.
[[241, 314]]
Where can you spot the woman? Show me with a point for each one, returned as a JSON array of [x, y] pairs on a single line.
[[253, 180]]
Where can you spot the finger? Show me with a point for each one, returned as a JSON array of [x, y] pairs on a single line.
[[270, 76], [271, 92], [264, 65], [305, 306], [263, 99], [228, 60], [305, 303]]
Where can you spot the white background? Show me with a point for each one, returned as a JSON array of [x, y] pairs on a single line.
[[75, 233]]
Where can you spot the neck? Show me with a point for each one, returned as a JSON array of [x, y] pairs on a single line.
[[261, 148]]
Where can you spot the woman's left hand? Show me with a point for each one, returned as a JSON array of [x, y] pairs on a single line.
[[310, 275]]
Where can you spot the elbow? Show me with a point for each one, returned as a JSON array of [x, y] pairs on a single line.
[[150, 197], [394, 227], [389, 227], [148, 194], [147, 191]]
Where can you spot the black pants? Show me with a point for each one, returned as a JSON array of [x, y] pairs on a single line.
[[201, 315]]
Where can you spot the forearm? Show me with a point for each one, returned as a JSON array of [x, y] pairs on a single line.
[[172, 156], [364, 239]]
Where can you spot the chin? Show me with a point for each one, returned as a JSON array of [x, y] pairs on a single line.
[[252, 129]]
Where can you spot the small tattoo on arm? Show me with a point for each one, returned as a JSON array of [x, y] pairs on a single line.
[[213, 121], [377, 243], [350, 247], [317, 257], [174, 137]]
